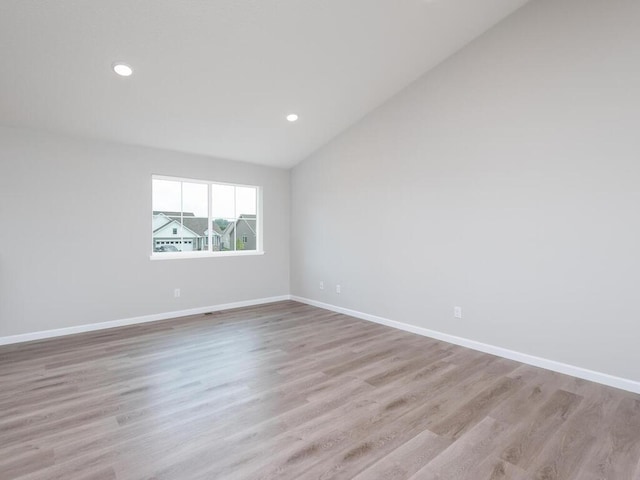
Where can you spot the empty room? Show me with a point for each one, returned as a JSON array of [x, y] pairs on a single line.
[[319, 239]]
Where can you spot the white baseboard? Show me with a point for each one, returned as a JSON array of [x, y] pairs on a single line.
[[579, 372], [59, 332]]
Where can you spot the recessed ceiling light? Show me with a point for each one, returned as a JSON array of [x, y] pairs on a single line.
[[122, 69], [292, 117]]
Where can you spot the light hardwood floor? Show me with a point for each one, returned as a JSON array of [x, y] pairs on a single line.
[[288, 391]]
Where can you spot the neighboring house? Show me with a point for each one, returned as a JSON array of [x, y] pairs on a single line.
[[241, 234], [186, 233]]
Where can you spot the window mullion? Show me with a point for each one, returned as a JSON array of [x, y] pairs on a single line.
[[235, 218], [210, 219]]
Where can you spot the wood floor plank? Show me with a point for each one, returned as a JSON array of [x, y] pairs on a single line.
[[20, 465], [530, 438], [494, 468], [566, 453], [288, 391], [619, 445], [407, 459], [473, 411], [460, 460]]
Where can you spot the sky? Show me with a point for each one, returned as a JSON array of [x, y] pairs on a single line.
[[228, 201]]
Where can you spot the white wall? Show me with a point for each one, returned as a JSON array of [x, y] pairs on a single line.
[[507, 181], [75, 235]]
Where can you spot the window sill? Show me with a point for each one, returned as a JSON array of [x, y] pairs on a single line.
[[185, 255]]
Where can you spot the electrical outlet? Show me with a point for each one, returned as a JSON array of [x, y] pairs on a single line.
[[321, 285], [338, 289], [176, 292], [457, 312]]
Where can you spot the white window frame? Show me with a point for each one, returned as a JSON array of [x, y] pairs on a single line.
[[210, 253]]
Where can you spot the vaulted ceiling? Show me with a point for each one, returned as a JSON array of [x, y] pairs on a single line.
[[218, 77]]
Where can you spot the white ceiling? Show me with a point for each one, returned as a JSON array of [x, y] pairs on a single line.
[[218, 77]]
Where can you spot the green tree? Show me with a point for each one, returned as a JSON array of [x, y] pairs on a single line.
[[239, 244], [221, 222]]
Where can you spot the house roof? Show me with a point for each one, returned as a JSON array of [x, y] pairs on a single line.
[[250, 220], [177, 225], [173, 214], [197, 225]]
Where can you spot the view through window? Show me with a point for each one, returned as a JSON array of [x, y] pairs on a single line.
[[195, 216]]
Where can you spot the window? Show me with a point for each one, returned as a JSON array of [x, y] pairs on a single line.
[[204, 218]]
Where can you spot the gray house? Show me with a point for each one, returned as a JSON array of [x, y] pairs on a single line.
[[241, 234], [186, 232]]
